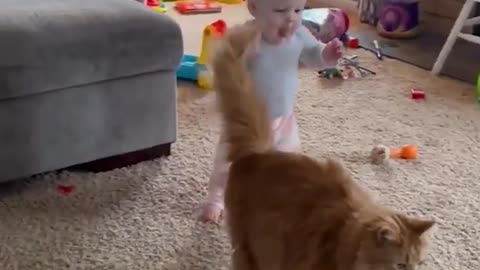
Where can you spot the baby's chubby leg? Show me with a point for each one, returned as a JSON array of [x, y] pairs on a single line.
[[285, 134], [286, 138], [213, 207]]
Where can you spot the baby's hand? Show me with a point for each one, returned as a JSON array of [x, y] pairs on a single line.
[[333, 51]]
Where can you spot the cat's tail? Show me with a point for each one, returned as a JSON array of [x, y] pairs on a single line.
[[246, 127]]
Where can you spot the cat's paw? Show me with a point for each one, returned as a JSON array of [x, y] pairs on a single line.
[[211, 213]]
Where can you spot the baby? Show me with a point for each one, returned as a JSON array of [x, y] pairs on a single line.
[[283, 44]]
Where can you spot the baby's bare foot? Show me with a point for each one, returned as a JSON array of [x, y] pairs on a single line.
[[211, 213]]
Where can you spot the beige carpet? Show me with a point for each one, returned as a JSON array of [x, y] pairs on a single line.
[[142, 217]]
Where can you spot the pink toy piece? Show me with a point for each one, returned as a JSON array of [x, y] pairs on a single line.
[[65, 189], [417, 94]]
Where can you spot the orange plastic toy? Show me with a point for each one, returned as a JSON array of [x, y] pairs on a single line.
[[380, 153], [405, 152]]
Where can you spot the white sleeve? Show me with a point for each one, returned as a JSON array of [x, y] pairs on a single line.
[[312, 49]]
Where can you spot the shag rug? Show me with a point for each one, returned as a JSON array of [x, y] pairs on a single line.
[[142, 217]]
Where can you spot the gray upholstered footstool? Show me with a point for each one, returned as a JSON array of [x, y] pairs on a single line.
[[82, 81]]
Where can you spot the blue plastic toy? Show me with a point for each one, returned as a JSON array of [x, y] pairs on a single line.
[[188, 69]]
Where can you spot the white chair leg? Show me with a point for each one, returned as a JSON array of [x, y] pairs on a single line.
[[472, 21], [452, 37]]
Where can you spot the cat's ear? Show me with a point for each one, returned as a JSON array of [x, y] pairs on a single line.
[[386, 234], [419, 226]]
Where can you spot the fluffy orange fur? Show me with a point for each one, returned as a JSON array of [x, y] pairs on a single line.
[[289, 211]]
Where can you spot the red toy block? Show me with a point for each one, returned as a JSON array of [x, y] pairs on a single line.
[[417, 94], [152, 3], [353, 43], [65, 189]]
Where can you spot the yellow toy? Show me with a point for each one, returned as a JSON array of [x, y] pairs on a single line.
[[211, 35]]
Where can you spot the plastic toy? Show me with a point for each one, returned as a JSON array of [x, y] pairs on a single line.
[[347, 67], [326, 23], [197, 7], [156, 5], [211, 34], [350, 42], [399, 18], [231, 1], [417, 94], [65, 189], [331, 73], [195, 68], [381, 153], [352, 62], [188, 68]]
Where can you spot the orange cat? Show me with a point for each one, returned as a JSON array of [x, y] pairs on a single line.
[[289, 211]]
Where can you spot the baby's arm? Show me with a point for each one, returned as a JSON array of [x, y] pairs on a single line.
[[312, 51]]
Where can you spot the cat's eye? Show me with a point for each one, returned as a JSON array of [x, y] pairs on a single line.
[[401, 266]]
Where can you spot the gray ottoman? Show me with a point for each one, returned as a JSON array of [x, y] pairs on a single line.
[[84, 81]]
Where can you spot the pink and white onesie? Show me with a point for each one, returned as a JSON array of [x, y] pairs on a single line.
[[275, 72]]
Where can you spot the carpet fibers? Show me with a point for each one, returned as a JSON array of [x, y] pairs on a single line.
[[142, 217]]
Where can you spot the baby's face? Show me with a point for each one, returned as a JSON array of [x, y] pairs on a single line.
[[278, 19]]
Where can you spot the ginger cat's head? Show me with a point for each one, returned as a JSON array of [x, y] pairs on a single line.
[[394, 242]]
